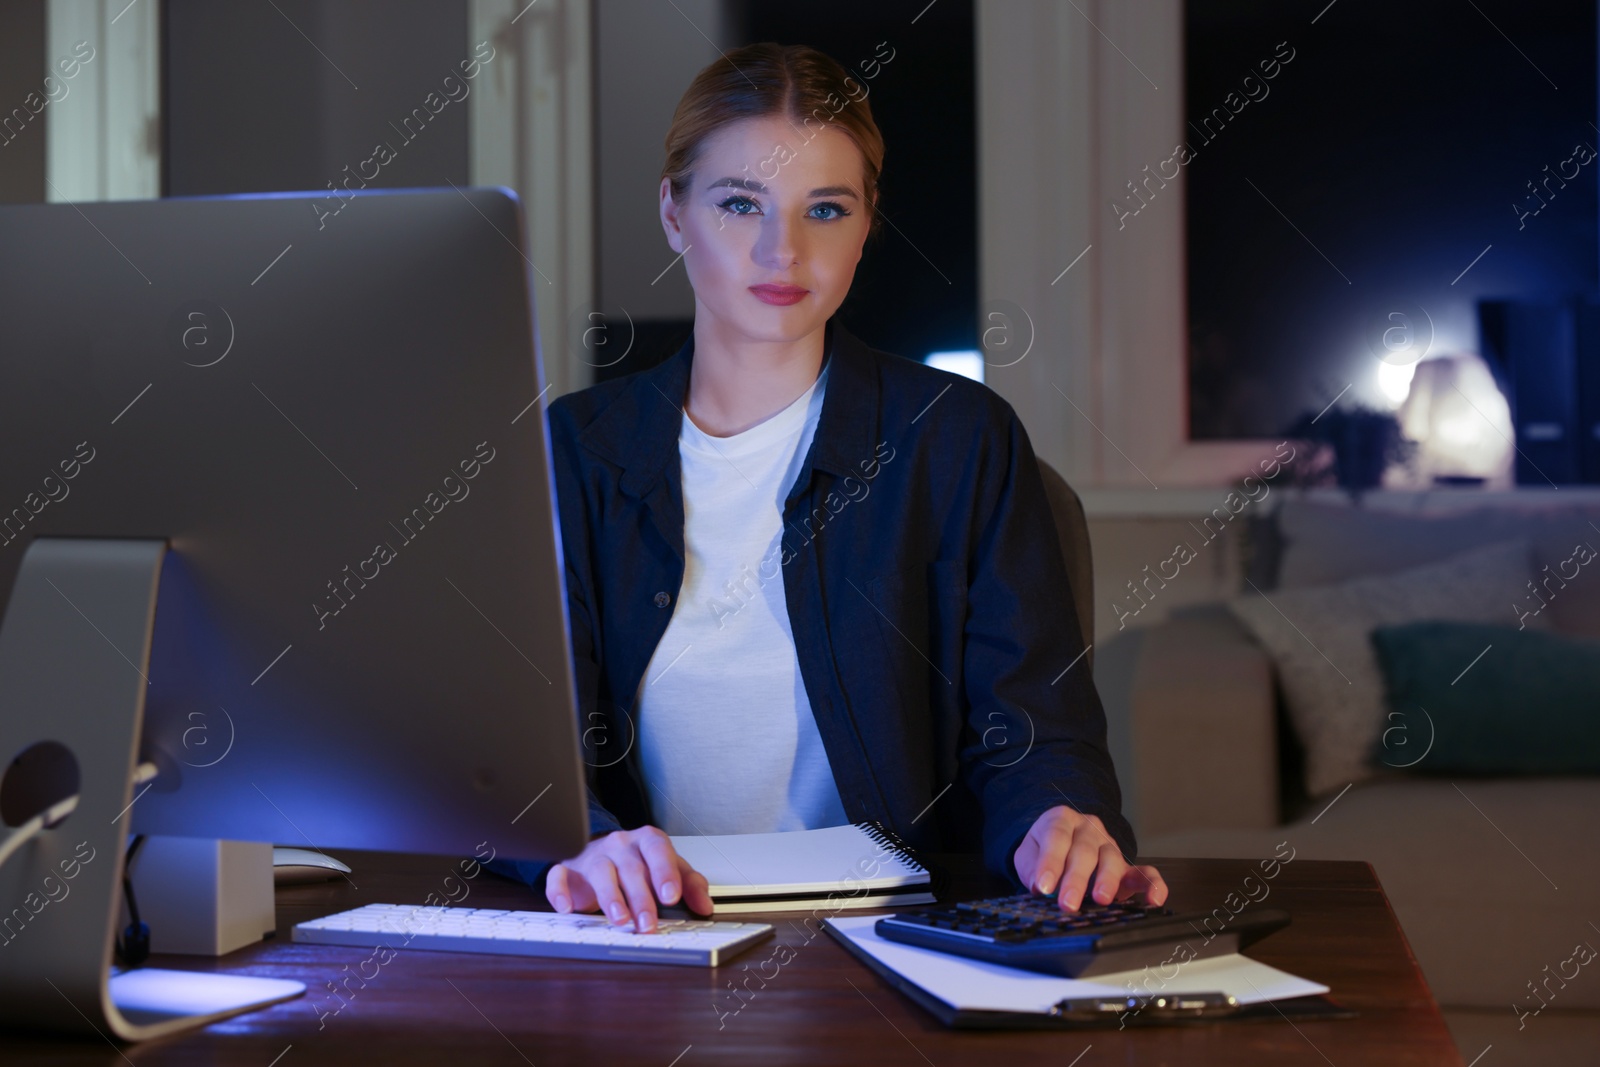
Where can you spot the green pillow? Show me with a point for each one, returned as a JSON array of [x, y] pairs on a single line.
[[1488, 699]]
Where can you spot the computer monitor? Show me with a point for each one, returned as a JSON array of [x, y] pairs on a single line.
[[314, 444]]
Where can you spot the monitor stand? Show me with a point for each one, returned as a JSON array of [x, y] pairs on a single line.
[[74, 657]]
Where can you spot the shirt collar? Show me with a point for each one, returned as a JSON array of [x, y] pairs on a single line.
[[639, 430]]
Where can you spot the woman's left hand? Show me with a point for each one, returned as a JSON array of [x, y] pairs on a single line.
[[1062, 850]]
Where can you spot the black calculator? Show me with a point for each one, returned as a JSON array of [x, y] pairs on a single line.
[[1031, 931]]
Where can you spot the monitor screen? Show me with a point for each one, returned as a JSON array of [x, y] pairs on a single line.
[[336, 423]]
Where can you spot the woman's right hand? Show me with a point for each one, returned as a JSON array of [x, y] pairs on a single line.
[[623, 874]]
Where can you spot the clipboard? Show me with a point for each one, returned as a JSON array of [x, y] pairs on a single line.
[[1313, 1006]]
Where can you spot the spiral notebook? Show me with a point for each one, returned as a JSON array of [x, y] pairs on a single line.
[[857, 865]]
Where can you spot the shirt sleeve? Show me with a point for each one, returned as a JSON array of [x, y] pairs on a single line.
[[574, 522], [1037, 733]]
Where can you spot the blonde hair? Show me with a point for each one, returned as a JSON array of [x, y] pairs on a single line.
[[795, 82]]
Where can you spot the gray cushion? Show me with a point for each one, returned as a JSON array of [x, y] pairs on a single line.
[[1319, 639], [1331, 543]]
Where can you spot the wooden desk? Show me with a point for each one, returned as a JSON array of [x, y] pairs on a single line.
[[820, 1008]]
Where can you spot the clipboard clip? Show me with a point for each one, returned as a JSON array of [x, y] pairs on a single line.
[[1166, 1006]]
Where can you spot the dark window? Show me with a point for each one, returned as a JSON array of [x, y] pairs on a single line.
[[1398, 144]]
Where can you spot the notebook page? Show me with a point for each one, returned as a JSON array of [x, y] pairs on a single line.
[[844, 858]]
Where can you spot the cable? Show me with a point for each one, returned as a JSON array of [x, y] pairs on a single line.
[[50, 817], [134, 944], [45, 820]]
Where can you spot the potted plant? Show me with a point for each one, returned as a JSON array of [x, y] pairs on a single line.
[[1363, 442]]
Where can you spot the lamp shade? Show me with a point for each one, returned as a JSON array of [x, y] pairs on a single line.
[[1461, 422]]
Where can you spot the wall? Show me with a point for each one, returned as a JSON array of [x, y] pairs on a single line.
[[281, 97], [1066, 118], [646, 52]]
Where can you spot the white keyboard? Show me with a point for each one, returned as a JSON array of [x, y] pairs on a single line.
[[695, 943]]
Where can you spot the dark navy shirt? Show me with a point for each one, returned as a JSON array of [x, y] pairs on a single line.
[[930, 606]]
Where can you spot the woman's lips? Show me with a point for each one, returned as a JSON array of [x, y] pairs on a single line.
[[781, 295]]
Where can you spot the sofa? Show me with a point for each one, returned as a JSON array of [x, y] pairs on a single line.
[[1495, 879]]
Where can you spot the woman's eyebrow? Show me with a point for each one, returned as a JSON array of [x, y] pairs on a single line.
[[753, 186]]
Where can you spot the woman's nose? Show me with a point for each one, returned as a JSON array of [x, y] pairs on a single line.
[[779, 245]]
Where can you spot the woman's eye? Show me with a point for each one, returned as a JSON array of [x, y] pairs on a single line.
[[735, 205]]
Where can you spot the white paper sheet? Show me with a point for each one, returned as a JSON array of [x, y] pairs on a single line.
[[973, 985]]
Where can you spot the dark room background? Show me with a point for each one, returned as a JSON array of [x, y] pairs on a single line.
[[1400, 142], [251, 108]]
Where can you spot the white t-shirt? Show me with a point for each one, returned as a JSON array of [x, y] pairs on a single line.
[[727, 740]]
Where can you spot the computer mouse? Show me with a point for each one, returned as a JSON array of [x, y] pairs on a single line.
[[295, 866]]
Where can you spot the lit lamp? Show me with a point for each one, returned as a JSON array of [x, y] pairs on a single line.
[[1451, 406]]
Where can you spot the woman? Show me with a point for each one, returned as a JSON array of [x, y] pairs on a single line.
[[810, 582]]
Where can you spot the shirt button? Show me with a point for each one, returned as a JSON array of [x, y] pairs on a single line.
[[663, 599]]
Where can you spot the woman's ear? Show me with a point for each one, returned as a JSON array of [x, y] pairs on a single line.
[[670, 217]]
